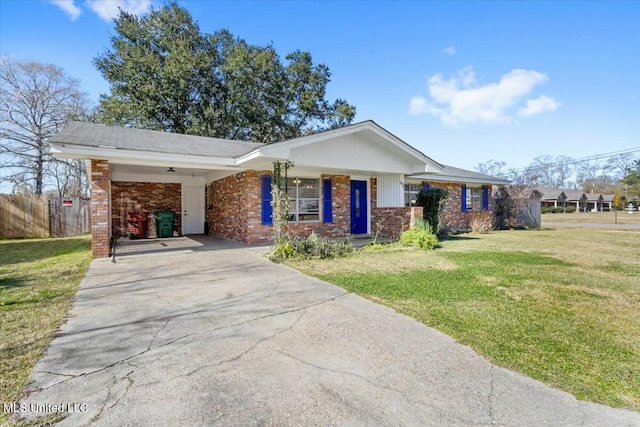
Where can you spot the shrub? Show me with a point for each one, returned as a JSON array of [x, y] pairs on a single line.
[[553, 210], [310, 247], [419, 238], [432, 201], [421, 224], [570, 209], [480, 222]]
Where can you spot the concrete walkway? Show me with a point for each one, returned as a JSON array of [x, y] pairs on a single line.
[[225, 337]]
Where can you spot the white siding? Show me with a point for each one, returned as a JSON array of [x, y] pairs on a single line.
[[353, 152], [390, 191]]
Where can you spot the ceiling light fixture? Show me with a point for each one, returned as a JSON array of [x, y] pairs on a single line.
[[171, 170]]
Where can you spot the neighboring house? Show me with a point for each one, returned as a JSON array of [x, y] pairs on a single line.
[[594, 202], [577, 199], [607, 201], [552, 197], [344, 181]]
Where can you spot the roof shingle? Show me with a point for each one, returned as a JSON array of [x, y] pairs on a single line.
[[96, 135]]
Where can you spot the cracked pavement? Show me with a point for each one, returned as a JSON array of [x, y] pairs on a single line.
[[224, 337]]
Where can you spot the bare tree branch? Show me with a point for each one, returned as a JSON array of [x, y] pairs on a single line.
[[36, 101]]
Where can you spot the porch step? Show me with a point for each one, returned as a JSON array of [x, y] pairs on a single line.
[[361, 236]]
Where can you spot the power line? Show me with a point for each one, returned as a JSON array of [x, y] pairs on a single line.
[[579, 160]]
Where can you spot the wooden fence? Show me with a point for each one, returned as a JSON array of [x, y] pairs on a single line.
[[515, 213], [32, 215]]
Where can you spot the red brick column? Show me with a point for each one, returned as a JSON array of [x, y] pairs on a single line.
[[100, 232]]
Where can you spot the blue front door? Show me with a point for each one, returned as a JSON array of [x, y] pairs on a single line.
[[358, 207]]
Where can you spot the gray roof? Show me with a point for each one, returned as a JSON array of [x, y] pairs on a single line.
[[594, 197], [574, 194], [550, 193], [95, 135], [608, 197], [461, 175]]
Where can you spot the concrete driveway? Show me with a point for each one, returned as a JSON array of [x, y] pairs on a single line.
[[221, 336]]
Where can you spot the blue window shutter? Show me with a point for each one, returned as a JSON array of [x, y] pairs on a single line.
[[427, 186], [327, 212], [266, 200], [485, 198], [463, 197]]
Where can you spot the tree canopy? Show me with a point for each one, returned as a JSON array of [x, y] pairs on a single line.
[[36, 101], [631, 180], [165, 74]]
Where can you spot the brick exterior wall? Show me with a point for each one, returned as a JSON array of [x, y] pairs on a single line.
[[453, 217], [144, 197], [236, 209], [229, 199], [100, 233], [391, 222]]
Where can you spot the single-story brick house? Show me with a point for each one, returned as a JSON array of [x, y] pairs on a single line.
[[344, 182]]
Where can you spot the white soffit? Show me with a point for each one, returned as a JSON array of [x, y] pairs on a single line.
[[143, 158]]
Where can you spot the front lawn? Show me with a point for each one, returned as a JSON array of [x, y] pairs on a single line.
[[561, 306], [621, 217], [38, 279]]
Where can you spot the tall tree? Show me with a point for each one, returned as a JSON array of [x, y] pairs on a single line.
[[491, 167], [564, 168], [36, 101], [619, 165], [631, 181], [590, 176], [165, 74]]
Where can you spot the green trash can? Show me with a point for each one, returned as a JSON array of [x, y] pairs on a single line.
[[164, 223]]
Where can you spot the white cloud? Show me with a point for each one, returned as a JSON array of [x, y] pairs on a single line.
[[449, 50], [68, 7], [418, 106], [460, 100], [109, 9], [538, 106]]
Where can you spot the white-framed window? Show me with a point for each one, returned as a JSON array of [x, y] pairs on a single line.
[[304, 194], [474, 198], [411, 193]]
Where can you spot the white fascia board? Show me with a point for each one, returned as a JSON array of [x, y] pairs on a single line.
[[282, 153], [383, 133], [462, 180], [146, 158]]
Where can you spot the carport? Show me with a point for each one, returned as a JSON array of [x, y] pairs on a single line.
[[137, 170]]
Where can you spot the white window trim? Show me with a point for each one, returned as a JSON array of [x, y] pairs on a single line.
[[320, 200], [469, 197]]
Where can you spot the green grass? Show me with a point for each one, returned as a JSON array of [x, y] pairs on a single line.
[[38, 279], [557, 305]]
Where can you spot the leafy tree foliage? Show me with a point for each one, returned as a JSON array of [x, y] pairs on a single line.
[[631, 181], [36, 101], [165, 74], [432, 201]]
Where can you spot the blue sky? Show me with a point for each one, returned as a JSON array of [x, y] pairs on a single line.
[[464, 82]]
